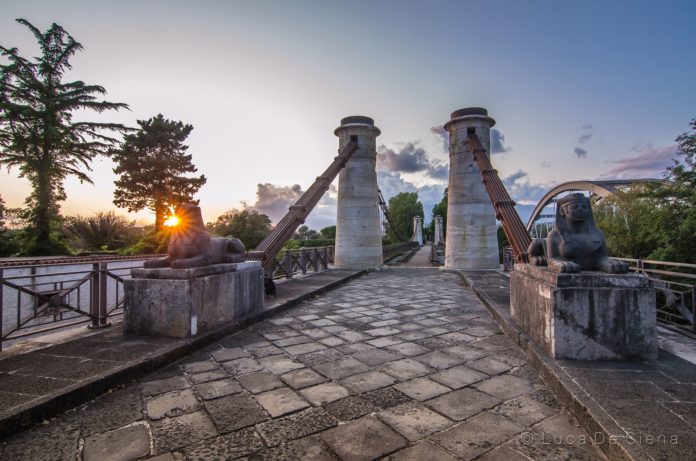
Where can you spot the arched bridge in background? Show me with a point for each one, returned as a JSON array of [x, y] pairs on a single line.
[[542, 218]]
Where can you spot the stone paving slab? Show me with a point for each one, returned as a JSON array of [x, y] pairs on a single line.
[[634, 410], [38, 384], [252, 395]]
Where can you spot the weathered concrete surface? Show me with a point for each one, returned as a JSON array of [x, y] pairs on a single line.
[[358, 226], [633, 410], [438, 235], [585, 316], [403, 361], [421, 258], [472, 241], [181, 303], [51, 378]]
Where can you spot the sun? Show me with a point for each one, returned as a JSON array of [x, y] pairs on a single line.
[[173, 219]]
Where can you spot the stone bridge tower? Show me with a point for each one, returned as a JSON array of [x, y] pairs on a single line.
[[472, 241], [438, 237], [358, 225], [418, 230]]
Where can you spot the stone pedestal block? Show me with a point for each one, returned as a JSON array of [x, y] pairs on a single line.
[[183, 302], [585, 316]]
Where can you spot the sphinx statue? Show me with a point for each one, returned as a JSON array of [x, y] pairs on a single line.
[[190, 244], [575, 244]]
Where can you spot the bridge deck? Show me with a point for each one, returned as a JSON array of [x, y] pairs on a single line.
[[420, 259], [404, 361], [642, 411]]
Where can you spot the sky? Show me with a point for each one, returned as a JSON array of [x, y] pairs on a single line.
[[579, 89]]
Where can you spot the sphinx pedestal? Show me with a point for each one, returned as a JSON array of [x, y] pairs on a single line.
[[585, 316], [181, 303]]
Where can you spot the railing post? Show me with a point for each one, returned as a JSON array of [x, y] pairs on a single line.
[[99, 296], [94, 296], [2, 306], [303, 260], [315, 258], [693, 307], [288, 264]]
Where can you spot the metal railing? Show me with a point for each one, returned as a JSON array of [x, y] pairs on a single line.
[[41, 295], [40, 298], [675, 284], [391, 251], [301, 261]]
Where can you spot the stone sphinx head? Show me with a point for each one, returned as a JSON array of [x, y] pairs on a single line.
[[574, 216]]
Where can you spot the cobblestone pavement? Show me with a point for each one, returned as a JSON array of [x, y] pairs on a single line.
[[403, 364]]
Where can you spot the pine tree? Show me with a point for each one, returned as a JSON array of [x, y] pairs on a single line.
[[37, 131], [153, 164]]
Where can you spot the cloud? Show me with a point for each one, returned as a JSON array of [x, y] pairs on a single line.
[[391, 183], [584, 138], [498, 142], [650, 163], [411, 158], [439, 172], [273, 201], [524, 191], [441, 133]]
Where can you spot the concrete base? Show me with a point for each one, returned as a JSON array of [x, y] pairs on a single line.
[[585, 316], [181, 303]]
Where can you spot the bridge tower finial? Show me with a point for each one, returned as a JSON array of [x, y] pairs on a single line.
[[472, 241], [358, 224]]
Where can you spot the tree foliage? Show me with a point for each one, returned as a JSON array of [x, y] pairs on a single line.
[[103, 231], [328, 233], [37, 133], [656, 221], [7, 248], [249, 226], [153, 166], [403, 207], [305, 233]]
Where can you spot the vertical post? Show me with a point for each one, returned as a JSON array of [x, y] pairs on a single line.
[[303, 260], [288, 264], [693, 308], [2, 305], [437, 238], [472, 241], [418, 230], [98, 298], [103, 291], [358, 226], [94, 296]]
